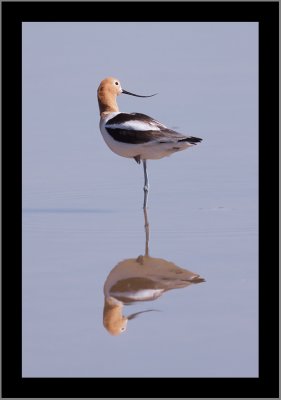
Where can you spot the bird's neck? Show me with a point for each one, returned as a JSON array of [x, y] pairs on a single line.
[[107, 104]]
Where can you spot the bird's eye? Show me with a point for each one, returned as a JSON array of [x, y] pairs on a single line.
[[116, 83]]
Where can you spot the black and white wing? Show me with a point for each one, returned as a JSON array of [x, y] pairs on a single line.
[[137, 128]]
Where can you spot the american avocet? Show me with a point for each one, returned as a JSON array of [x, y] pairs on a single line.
[[135, 135], [140, 279]]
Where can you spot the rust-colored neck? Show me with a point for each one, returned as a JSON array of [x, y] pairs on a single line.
[[107, 102]]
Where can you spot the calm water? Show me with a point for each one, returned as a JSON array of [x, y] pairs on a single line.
[[88, 269]]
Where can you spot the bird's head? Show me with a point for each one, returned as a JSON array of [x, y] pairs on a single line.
[[113, 86]]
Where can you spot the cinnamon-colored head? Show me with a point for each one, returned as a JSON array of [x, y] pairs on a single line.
[[108, 89], [113, 320]]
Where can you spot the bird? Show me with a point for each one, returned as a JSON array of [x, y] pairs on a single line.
[[140, 279], [136, 135]]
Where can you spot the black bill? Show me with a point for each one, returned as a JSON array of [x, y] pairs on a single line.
[[137, 95]]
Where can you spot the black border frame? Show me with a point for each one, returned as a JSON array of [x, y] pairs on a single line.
[[267, 15]]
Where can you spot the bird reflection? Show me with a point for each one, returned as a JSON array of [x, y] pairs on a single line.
[[144, 278]]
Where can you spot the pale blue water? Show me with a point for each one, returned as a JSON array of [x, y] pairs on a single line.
[[82, 204]]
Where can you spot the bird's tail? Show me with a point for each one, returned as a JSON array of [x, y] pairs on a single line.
[[191, 140]]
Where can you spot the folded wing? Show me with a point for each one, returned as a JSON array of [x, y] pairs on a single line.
[[136, 128]]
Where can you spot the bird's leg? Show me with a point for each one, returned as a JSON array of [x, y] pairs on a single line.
[[146, 227], [146, 184]]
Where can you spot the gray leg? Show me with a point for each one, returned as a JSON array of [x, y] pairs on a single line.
[[146, 227], [146, 184]]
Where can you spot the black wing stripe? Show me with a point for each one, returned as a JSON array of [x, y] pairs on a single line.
[[123, 117], [139, 137], [130, 136], [191, 140]]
